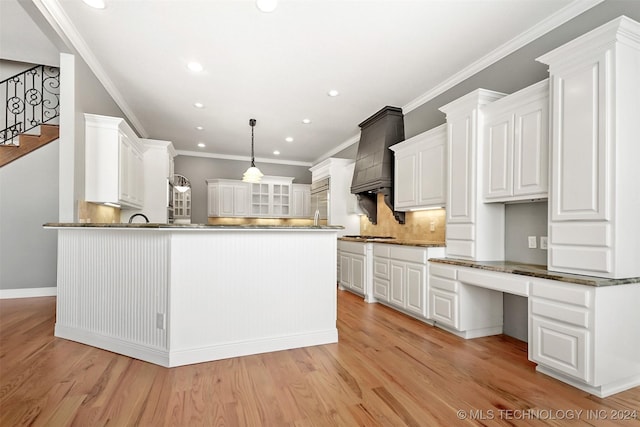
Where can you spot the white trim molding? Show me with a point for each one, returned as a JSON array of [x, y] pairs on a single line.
[[28, 293], [242, 158], [565, 14]]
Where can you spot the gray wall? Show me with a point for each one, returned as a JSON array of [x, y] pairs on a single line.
[[199, 169], [28, 199]]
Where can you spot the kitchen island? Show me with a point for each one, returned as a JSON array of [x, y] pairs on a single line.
[[181, 294]]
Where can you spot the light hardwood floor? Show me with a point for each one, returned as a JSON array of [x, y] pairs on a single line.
[[386, 370]]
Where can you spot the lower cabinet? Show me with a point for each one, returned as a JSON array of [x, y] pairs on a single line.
[[354, 265], [400, 277]]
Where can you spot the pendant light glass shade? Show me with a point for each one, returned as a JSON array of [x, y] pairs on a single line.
[[252, 174]]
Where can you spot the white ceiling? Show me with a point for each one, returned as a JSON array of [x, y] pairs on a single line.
[[278, 67]]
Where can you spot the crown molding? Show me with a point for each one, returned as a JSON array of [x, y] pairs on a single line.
[[59, 20], [241, 158], [348, 143], [565, 14]]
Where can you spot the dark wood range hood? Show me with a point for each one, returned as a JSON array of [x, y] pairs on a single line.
[[373, 172]]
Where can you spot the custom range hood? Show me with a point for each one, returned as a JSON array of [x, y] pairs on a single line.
[[373, 172]]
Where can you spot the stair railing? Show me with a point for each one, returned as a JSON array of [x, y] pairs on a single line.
[[31, 99]]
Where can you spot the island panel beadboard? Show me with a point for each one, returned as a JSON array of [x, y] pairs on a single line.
[[181, 295]]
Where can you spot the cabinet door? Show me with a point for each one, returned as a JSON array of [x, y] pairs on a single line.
[[397, 282], [381, 289], [241, 200], [123, 169], [461, 153], [432, 174], [416, 288], [345, 270], [580, 151], [358, 277], [136, 177], [560, 346], [531, 149], [443, 307], [498, 156], [405, 189], [226, 200], [212, 200]]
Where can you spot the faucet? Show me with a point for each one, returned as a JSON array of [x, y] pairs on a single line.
[[316, 217], [138, 214]]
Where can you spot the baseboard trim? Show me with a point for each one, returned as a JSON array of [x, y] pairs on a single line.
[[28, 293]]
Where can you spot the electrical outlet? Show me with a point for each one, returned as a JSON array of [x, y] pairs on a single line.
[[160, 321], [532, 242], [543, 242], [432, 227]]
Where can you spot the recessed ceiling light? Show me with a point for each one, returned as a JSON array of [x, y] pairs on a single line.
[[198, 105], [333, 92], [266, 5], [199, 128], [96, 4], [201, 144], [194, 66], [288, 139], [306, 121], [276, 152]]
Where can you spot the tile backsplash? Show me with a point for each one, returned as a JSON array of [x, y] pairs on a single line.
[[97, 213], [417, 224]]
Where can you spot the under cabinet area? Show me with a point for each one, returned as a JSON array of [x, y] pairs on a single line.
[[114, 170]]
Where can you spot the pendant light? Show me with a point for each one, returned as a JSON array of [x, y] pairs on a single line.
[[252, 174]]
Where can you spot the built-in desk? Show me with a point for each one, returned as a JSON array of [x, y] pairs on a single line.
[[582, 330]]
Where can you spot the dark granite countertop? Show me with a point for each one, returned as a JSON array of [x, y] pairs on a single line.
[[190, 226], [533, 270], [403, 242]]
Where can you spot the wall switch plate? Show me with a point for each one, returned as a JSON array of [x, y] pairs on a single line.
[[543, 242], [532, 242], [432, 227]]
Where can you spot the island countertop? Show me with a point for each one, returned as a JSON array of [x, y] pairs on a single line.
[[200, 227]]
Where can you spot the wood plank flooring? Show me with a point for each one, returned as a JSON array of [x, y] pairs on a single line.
[[386, 370]]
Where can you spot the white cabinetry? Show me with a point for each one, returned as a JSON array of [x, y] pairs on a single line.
[[300, 200], [420, 170], [354, 259], [516, 145], [341, 202], [114, 166], [475, 230], [585, 335], [594, 198], [400, 276], [271, 197], [466, 310], [227, 198]]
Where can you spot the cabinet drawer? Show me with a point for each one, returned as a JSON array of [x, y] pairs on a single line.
[[381, 250], [568, 294], [443, 307], [408, 254], [381, 268], [560, 347], [443, 284], [509, 283], [352, 247], [437, 269], [569, 314], [381, 289]]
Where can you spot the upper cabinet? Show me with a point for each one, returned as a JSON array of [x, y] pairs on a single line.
[[594, 197], [516, 146], [114, 165], [420, 173], [271, 197], [475, 230], [228, 198], [301, 201]]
